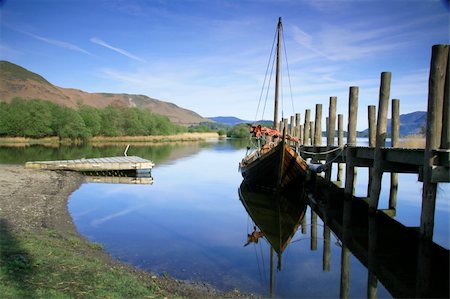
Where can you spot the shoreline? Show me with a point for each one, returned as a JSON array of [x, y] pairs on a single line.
[[33, 208], [102, 140]]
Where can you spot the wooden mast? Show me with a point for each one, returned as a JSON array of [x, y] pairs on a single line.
[[277, 75]]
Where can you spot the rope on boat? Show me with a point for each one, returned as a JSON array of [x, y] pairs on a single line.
[[323, 153]]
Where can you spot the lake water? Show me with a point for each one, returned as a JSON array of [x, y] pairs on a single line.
[[191, 224]]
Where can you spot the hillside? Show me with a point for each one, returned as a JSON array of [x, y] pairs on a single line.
[[410, 124], [16, 81]]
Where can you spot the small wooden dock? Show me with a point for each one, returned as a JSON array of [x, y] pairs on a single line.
[[110, 165]]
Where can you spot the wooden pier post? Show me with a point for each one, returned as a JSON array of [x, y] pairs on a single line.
[[372, 280], [300, 134], [371, 113], [318, 126], [445, 140], [438, 70], [345, 253], [304, 228], [291, 128], [330, 134], [306, 128], [311, 132], [350, 170], [313, 231], [326, 248], [395, 135], [377, 171], [340, 144]]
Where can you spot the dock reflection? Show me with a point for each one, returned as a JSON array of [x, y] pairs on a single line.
[[393, 254]]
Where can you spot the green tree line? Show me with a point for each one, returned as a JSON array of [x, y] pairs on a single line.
[[39, 118]]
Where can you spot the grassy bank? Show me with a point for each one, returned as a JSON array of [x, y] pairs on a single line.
[[412, 141], [55, 141], [48, 264]]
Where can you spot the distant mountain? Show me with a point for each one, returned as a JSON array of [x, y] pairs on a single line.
[[410, 124], [229, 120], [232, 121], [16, 81]]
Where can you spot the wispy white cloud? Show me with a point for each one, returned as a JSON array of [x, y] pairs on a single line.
[[58, 43], [100, 42]]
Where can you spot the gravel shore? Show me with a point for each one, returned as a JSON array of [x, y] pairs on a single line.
[[36, 200]]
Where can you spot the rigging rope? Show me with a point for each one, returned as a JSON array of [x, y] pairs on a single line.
[[265, 77], [289, 75]]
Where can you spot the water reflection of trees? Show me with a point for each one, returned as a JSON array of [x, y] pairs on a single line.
[[158, 152]]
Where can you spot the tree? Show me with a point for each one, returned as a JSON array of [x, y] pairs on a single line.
[[71, 125], [238, 131], [92, 119]]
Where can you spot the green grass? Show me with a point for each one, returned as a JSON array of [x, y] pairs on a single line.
[[47, 264]]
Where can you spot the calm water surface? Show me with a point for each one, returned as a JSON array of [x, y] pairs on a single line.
[[191, 224]]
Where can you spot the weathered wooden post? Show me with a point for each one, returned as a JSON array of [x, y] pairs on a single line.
[[326, 248], [306, 128], [318, 126], [438, 70], [371, 112], [311, 132], [340, 144], [345, 251], [300, 134], [377, 171], [285, 125], [436, 136], [291, 128], [313, 231], [304, 228], [349, 187], [372, 280], [350, 171], [395, 135], [330, 134], [445, 140]]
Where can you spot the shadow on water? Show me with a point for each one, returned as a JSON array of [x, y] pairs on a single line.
[[393, 254], [16, 264]]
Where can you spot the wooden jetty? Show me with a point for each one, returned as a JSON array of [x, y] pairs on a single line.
[[432, 163], [109, 166], [370, 232]]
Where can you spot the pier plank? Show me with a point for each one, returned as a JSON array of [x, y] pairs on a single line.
[[94, 164]]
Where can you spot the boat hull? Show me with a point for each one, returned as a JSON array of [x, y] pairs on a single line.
[[278, 168]]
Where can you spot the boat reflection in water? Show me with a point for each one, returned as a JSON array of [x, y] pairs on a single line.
[[276, 217]]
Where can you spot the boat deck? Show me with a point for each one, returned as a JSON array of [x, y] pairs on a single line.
[[131, 163]]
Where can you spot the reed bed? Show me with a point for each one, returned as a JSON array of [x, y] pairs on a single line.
[[412, 141]]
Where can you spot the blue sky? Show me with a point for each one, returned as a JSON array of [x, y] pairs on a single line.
[[210, 56]]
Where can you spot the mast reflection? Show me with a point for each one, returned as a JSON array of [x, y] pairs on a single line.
[[277, 217]]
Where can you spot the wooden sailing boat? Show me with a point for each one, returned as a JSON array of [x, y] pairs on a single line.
[[274, 163]]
